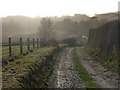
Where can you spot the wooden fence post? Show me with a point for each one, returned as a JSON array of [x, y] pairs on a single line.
[[40, 43], [37, 43], [33, 43], [10, 47], [28, 44], [21, 50]]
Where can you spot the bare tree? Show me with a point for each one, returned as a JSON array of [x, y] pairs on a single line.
[[46, 29]]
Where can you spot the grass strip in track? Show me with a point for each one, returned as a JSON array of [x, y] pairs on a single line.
[[83, 74]]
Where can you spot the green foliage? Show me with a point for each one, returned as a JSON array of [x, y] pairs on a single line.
[[49, 43], [63, 45], [83, 74], [70, 41]]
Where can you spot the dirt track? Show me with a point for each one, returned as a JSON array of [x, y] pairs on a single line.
[[65, 75], [100, 74]]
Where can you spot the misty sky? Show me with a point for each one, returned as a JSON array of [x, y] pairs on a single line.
[[42, 8]]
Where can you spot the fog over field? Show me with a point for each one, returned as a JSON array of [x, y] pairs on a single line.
[[65, 26]]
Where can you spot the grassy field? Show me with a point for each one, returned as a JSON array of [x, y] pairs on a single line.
[[83, 74], [15, 52]]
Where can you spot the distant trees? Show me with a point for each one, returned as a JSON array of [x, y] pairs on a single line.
[[70, 41], [46, 29]]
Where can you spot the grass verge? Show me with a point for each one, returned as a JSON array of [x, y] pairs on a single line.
[[83, 74], [30, 71], [111, 62]]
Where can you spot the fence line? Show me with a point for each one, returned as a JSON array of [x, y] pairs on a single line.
[[10, 47], [21, 45], [28, 47], [37, 43]]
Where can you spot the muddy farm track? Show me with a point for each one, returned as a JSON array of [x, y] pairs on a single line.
[[65, 75], [103, 77]]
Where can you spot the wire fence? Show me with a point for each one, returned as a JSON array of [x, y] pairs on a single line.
[[20, 47]]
